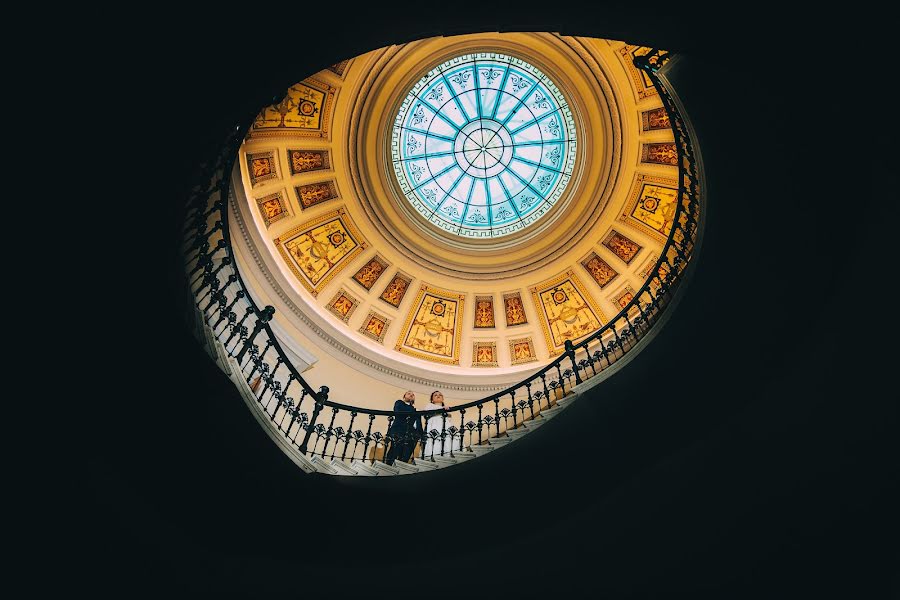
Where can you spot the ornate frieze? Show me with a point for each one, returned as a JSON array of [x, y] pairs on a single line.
[[599, 269], [261, 167], [369, 273], [395, 290], [433, 326], [621, 246], [315, 193], [306, 161], [342, 305], [567, 310], [514, 309], [651, 205], [272, 208], [484, 354], [521, 350], [375, 326], [662, 153], [319, 249], [654, 119], [484, 312], [304, 111]]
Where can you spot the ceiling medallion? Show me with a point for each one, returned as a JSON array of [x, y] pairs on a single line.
[[483, 145]]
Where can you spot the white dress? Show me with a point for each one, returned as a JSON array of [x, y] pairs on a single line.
[[436, 422]]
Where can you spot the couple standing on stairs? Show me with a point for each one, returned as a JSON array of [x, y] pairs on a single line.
[[406, 429]]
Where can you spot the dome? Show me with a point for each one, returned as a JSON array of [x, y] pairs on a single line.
[[483, 145], [560, 136]]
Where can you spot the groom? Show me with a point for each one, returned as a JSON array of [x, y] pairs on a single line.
[[404, 432]]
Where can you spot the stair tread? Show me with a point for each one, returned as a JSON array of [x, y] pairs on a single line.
[[322, 466], [341, 467], [363, 469]]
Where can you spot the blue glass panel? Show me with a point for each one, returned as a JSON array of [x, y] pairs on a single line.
[[483, 145]]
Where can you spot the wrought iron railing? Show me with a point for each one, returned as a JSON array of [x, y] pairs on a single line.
[[316, 426]]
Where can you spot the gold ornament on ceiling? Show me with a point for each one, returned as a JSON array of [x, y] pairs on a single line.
[[319, 249], [567, 311]]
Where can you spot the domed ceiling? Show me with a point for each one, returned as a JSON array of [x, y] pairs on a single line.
[[448, 212]]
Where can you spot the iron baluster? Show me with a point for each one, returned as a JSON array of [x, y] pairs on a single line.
[[368, 438], [561, 380], [349, 429], [480, 424], [330, 431], [262, 318], [546, 391], [323, 396], [530, 399], [570, 351]]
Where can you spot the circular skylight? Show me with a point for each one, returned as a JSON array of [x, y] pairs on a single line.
[[483, 145]]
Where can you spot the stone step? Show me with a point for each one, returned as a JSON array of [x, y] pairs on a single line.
[[384, 469], [548, 413], [566, 399], [499, 441], [482, 449], [363, 469], [533, 424], [464, 455], [341, 467], [444, 461], [322, 466], [405, 468], [515, 434], [425, 465]]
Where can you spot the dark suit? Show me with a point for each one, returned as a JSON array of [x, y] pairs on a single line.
[[404, 432]]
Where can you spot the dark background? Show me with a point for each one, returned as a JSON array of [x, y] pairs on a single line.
[[749, 452]]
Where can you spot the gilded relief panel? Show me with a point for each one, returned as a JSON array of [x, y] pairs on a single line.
[[484, 312], [433, 327], [304, 111], [621, 246], [272, 208], [261, 167], [375, 326], [651, 205], [369, 273], [567, 311], [521, 350], [648, 269], [654, 119], [515, 310], [663, 153], [642, 85], [306, 161], [599, 269], [315, 193], [484, 354], [623, 297], [342, 305], [395, 291], [339, 68], [319, 249]]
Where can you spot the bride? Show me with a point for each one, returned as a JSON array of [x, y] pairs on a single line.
[[437, 423]]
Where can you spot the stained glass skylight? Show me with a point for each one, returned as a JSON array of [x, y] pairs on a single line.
[[483, 145]]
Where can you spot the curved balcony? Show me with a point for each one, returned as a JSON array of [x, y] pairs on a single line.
[[321, 435]]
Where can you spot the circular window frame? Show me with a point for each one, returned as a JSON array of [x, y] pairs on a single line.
[[559, 103]]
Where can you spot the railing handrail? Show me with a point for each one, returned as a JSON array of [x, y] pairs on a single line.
[[649, 63]]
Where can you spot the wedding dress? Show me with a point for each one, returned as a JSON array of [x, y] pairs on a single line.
[[436, 422]]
